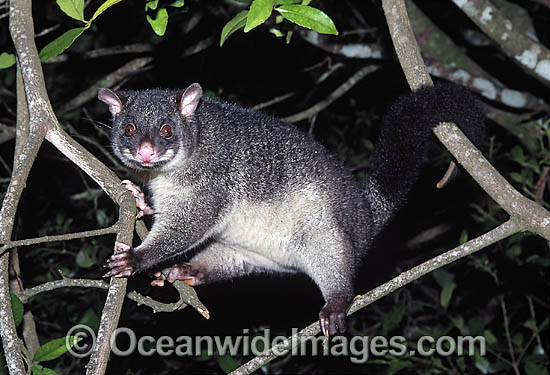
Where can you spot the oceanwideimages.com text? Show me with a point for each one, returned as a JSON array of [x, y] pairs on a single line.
[[80, 341]]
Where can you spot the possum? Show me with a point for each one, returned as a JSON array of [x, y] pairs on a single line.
[[238, 191]]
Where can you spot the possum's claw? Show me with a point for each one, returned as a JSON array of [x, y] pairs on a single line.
[[332, 318], [120, 263], [158, 278], [144, 208]]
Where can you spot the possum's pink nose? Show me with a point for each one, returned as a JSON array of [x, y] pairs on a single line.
[[146, 152]]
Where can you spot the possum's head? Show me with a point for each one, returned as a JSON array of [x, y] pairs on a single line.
[[153, 129]]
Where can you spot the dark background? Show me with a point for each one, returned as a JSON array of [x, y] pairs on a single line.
[[250, 69]]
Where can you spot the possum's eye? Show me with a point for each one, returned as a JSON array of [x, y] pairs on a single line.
[[129, 130], [166, 131]]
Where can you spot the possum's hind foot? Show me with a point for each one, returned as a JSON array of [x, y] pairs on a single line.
[[186, 272], [332, 317]]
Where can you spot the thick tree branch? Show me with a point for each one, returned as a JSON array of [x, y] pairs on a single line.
[[21, 28], [43, 123], [16, 283]]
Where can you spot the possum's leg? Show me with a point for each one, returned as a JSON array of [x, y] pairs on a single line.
[[328, 258], [144, 208], [218, 262]]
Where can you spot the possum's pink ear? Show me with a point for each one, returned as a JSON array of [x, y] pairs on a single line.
[[109, 97], [190, 99]]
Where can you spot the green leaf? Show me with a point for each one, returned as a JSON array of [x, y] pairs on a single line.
[[443, 277], [513, 252], [233, 25], [160, 22], [103, 7], [458, 322], [491, 339], [285, 2], [446, 294], [517, 154], [60, 44], [6, 60], [260, 10], [72, 8], [393, 319], [177, 3], [517, 177], [227, 363], [152, 4], [536, 259], [41, 370], [461, 362], [482, 364], [54, 348], [102, 218], [463, 237], [288, 36], [276, 32], [498, 366], [90, 319], [16, 308], [83, 259], [308, 17], [476, 325], [531, 368]]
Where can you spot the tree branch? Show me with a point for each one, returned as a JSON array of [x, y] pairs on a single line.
[[16, 283], [504, 230], [61, 237], [532, 56], [341, 90], [27, 294], [21, 30], [107, 81], [43, 123]]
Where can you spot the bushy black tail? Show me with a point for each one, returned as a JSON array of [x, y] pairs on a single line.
[[402, 145]]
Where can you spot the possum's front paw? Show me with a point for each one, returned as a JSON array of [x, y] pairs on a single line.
[[121, 263], [186, 272], [144, 208], [332, 317]]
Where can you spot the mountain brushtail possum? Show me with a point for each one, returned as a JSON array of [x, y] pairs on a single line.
[[245, 192]]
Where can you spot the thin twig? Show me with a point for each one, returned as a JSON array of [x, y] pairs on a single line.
[[60, 237], [107, 81], [157, 306], [508, 336], [341, 90]]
